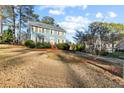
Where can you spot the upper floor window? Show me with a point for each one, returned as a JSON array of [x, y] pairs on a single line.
[[59, 33], [45, 30], [40, 29], [52, 32], [33, 28], [36, 29]]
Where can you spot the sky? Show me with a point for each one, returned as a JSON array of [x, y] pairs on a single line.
[[72, 18]]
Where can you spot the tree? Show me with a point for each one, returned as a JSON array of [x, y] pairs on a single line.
[[83, 38], [48, 20], [9, 18], [79, 37], [113, 38], [7, 36], [10, 14], [26, 13], [14, 20], [1, 18], [99, 31]]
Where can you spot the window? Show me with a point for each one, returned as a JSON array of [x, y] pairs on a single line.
[[59, 33], [52, 32], [58, 41], [44, 30], [47, 30], [36, 29], [40, 29], [33, 28], [64, 41]]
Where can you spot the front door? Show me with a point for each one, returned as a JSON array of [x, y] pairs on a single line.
[[52, 43]]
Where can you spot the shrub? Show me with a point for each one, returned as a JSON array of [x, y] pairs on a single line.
[[103, 53], [7, 36], [39, 45], [80, 47], [63, 46], [47, 45], [43, 45], [72, 47], [30, 43]]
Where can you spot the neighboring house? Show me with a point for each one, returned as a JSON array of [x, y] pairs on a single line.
[[100, 45], [120, 45], [41, 32]]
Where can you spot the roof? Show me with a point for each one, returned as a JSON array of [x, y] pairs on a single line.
[[47, 26], [120, 45]]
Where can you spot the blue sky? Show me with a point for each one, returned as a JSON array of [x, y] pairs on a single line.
[[72, 18]]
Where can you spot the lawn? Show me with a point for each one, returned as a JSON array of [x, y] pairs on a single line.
[[117, 55], [23, 67]]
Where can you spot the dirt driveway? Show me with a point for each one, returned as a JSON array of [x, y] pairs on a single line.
[[23, 67]]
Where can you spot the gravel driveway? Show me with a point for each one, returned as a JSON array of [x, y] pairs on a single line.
[[23, 67]]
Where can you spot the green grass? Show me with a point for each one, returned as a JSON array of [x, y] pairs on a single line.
[[117, 55]]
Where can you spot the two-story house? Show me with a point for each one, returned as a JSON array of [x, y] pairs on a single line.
[[41, 32]]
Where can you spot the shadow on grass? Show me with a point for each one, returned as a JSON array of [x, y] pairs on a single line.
[[74, 78], [117, 70], [17, 59], [67, 59]]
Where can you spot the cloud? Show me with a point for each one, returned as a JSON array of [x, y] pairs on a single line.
[[108, 15], [87, 14], [85, 7], [61, 7], [58, 9], [112, 14], [49, 6], [72, 23], [99, 15], [56, 12]]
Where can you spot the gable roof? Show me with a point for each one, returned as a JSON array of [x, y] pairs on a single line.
[[47, 26], [120, 45]]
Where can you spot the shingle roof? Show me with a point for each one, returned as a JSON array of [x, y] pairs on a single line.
[[47, 26], [120, 45]]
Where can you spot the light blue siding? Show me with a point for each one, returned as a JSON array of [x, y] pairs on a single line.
[[46, 36]]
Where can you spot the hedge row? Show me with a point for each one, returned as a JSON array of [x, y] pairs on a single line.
[[32, 44]]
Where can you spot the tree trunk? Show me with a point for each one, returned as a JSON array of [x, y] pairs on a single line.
[[20, 19], [0, 25], [13, 11], [0, 21], [112, 46]]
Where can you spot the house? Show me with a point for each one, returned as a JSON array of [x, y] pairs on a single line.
[[41, 32], [120, 45]]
